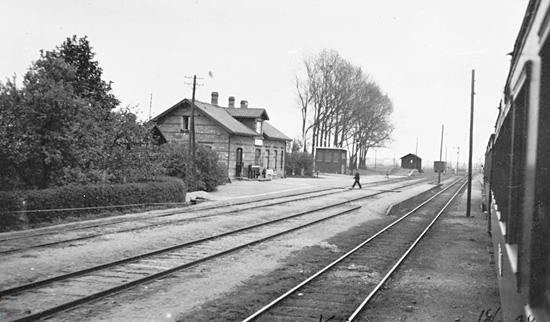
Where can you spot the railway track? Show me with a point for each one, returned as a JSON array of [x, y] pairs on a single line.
[[47, 297], [341, 290], [57, 237]]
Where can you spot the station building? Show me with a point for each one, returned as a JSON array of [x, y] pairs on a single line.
[[244, 140]]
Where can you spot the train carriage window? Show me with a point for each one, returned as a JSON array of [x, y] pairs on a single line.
[[501, 169], [517, 166]]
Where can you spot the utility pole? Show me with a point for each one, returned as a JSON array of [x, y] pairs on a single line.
[[457, 157], [193, 162], [192, 167], [416, 153], [440, 154], [150, 105], [469, 196]]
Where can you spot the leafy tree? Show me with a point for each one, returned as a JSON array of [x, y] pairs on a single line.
[[9, 100], [64, 126], [61, 126], [44, 118], [88, 82]]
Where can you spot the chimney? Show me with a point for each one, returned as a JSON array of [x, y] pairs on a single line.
[[231, 102], [215, 98], [244, 104]]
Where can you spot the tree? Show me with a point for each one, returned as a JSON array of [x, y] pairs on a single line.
[[46, 115], [88, 83], [341, 106], [61, 127]]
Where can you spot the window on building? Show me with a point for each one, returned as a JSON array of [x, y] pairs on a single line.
[[259, 126], [257, 157], [184, 126], [320, 155], [275, 160], [282, 160], [267, 159]]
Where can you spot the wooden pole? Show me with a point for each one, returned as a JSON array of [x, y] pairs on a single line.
[[440, 154], [192, 147], [469, 196]]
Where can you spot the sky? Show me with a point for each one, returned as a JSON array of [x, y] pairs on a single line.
[[421, 53]]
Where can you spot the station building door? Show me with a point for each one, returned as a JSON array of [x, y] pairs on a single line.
[[239, 163]]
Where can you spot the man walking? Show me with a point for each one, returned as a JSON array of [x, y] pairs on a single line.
[[356, 180]]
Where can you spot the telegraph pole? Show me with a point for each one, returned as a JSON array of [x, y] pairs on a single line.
[[469, 196], [193, 162], [440, 154], [192, 167], [416, 153], [457, 158], [150, 105]]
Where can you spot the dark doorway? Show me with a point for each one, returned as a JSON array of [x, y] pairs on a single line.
[[239, 162]]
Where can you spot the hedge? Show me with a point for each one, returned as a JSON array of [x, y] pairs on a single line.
[[16, 206]]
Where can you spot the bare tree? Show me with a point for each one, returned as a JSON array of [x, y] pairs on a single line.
[[342, 107]]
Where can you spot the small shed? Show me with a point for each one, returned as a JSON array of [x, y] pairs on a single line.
[[440, 166], [331, 160], [411, 161]]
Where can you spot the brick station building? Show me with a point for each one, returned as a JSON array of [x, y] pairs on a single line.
[[245, 142]]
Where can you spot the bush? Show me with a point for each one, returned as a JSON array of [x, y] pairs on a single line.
[[210, 173], [299, 163], [165, 190]]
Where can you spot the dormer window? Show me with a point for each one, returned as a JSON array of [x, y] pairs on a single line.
[[259, 126]]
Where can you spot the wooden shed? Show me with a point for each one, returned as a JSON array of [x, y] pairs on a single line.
[[411, 161], [331, 160]]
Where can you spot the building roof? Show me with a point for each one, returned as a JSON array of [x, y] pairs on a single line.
[[330, 148], [272, 133], [412, 155], [252, 113], [226, 118]]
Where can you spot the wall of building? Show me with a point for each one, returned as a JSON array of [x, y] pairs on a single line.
[[331, 160], [170, 126], [411, 163], [210, 134], [267, 157]]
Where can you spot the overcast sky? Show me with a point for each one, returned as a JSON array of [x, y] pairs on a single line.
[[420, 52]]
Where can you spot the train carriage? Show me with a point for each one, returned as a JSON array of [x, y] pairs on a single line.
[[517, 174]]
